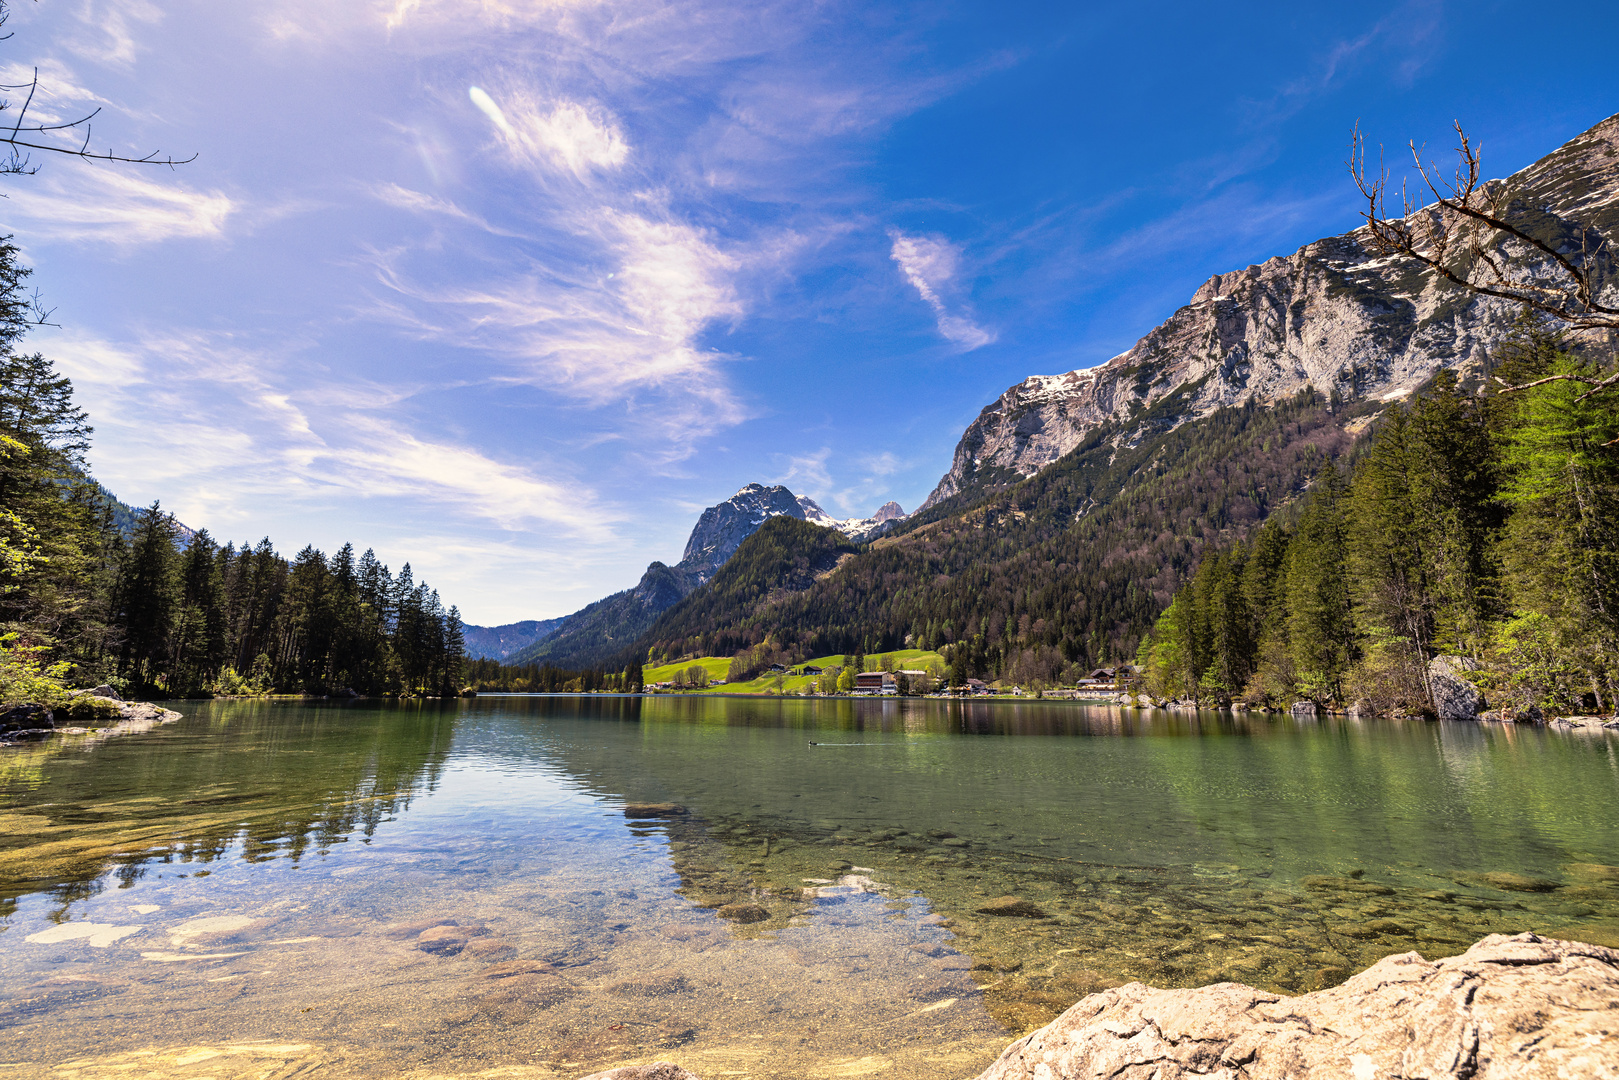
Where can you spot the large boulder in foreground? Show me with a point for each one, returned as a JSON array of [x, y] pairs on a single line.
[[1520, 1006]]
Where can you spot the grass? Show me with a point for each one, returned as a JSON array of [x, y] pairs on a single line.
[[915, 659], [718, 666], [781, 684]]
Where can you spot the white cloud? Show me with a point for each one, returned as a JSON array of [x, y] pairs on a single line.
[[628, 333], [577, 137], [807, 473], [390, 461], [110, 29], [113, 205], [237, 428], [883, 464], [931, 264], [486, 105], [417, 202]]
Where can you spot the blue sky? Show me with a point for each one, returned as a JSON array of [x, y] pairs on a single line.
[[519, 335]]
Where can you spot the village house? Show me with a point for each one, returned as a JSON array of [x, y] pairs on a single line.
[[876, 682]]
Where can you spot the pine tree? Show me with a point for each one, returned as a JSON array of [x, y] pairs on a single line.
[[1562, 542], [198, 644], [1320, 637], [147, 598]]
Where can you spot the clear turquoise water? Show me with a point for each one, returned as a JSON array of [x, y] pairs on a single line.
[[243, 884]]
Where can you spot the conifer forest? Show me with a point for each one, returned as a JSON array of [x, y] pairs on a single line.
[[90, 594]]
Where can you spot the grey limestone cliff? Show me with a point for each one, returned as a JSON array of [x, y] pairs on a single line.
[[1334, 316], [722, 528]]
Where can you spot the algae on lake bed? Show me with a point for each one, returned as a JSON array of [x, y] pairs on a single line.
[[440, 891]]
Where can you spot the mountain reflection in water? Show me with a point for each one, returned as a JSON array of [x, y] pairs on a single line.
[[384, 888]]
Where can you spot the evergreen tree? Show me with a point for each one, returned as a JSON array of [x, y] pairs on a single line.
[[198, 644], [455, 652], [1320, 640], [147, 598], [1561, 550]]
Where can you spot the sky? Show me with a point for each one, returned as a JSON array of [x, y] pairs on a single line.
[[512, 291]]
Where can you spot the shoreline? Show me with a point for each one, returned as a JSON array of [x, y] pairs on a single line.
[[135, 717], [1510, 1006]]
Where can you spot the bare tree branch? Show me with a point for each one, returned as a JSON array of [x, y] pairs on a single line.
[[1461, 235], [21, 135]]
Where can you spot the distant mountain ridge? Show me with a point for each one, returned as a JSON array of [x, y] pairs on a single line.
[[856, 529], [601, 630], [1334, 316], [499, 642]]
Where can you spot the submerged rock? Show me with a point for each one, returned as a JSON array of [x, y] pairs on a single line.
[[1519, 1006], [743, 913], [658, 1070], [448, 940], [653, 809], [1012, 906], [1511, 882], [1343, 884]]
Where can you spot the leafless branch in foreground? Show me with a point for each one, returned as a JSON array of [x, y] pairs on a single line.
[[22, 137], [1462, 234]]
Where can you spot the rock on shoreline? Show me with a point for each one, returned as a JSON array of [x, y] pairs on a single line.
[[1511, 1006], [33, 721], [1522, 1006]]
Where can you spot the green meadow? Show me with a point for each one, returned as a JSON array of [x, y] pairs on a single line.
[[718, 666]]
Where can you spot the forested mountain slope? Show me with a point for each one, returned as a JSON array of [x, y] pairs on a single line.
[[602, 631], [739, 607], [1334, 315], [499, 642], [1067, 568]]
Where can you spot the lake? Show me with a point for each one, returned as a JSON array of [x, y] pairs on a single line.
[[544, 886]]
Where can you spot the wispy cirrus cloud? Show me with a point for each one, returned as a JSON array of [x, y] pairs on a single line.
[[111, 205], [576, 136], [932, 265], [628, 332], [239, 428], [110, 29], [123, 205], [611, 302], [807, 474]]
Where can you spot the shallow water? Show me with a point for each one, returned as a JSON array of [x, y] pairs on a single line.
[[250, 892]]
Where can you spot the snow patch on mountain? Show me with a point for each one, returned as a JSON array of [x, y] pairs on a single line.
[[856, 529]]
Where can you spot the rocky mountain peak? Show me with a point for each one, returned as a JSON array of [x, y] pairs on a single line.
[[722, 528], [889, 511], [1334, 315]]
